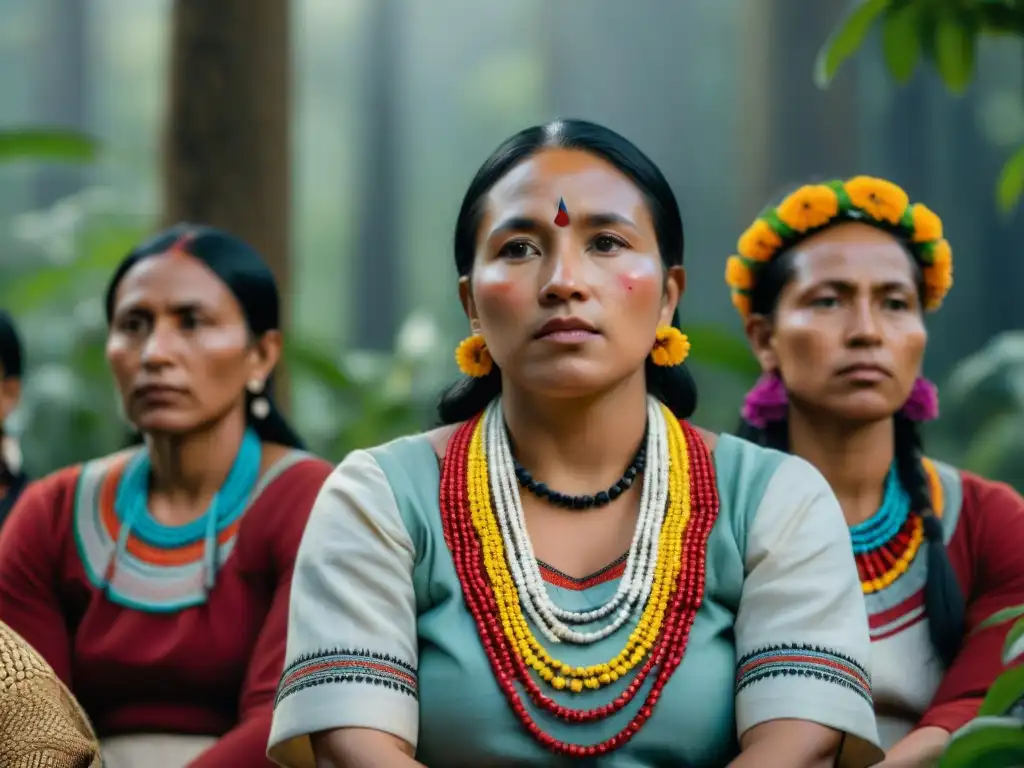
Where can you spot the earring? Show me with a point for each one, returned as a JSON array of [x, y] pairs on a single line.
[[671, 346], [473, 358], [260, 406]]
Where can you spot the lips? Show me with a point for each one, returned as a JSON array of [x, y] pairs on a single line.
[[865, 368], [156, 390], [565, 325]]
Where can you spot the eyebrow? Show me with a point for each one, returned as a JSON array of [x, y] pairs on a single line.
[[845, 285], [588, 220], [178, 308]]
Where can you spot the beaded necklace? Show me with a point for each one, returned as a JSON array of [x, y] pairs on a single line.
[[131, 505], [886, 543], [583, 501], [500, 576]]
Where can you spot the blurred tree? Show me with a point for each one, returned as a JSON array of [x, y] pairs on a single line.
[[227, 131]]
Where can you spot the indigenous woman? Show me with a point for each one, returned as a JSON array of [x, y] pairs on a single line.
[[569, 570], [12, 478], [155, 581], [833, 284]]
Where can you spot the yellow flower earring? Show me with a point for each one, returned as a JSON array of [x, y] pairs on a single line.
[[671, 346], [473, 358]]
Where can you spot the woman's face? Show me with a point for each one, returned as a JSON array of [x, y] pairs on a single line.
[[568, 308], [848, 336], [179, 346]]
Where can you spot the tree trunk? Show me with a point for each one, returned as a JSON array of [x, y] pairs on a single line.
[[61, 72], [227, 138], [378, 266]]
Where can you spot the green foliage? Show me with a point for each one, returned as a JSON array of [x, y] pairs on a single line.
[[996, 736], [983, 408], [947, 34], [53, 144]]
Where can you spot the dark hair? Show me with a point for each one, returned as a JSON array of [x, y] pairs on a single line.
[[944, 599], [10, 347], [251, 282], [673, 386], [13, 368]]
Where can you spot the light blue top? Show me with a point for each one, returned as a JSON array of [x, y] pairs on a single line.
[[380, 637]]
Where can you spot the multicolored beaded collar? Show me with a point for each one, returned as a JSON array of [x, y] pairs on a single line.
[[140, 563], [886, 543]]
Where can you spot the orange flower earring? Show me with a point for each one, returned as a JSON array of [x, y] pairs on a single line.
[[671, 346], [473, 358]]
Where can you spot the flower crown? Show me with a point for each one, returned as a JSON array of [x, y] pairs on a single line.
[[813, 207]]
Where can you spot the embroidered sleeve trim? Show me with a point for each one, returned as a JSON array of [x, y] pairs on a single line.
[[343, 665], [803, 661]]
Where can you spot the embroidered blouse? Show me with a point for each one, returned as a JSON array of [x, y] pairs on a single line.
[[136, 638], [380, 637]]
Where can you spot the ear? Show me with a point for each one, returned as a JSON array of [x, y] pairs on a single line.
[[675, 287], [10, 394], [760, 335], [466, 297], [264, 355]]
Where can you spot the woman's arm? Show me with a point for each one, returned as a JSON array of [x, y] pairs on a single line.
[[361, 748], [352, 652], [803, 695], [31, 547], [788, 744], [246, 743]]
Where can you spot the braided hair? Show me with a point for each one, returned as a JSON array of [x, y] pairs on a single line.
[[943, 597]]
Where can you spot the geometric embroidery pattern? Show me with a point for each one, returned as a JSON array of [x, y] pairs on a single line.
[[343, 665], [803, 661]]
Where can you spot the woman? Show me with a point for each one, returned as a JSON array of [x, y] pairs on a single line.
[[462, 598], [155, 581], [832, 284], [42, 723], [12, 479]]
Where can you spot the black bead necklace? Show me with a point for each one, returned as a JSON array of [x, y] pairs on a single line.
[[586, 501]]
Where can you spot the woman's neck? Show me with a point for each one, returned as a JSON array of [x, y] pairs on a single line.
[[577, 445], [855, 459], [188, 470]]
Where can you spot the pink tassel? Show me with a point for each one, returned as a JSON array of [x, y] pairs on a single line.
[[923, 403], [766, 402]]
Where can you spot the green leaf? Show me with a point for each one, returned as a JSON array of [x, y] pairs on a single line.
[[316, 362], [1006, 691], [46, 144], [846, 39], [1007, 614], [1013, 646], [1011, 182], [900, 45], [717, 348], [955, 41], [986, 742]]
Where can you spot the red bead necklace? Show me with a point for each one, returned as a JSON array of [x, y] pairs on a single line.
[[509, 667]]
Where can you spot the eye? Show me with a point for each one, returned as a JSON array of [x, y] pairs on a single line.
[[518, 249], [896, 304], [189, 320], [131, 324], [609, 244], [825, 302]]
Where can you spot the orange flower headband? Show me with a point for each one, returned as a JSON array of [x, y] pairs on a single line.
[[815, 206]]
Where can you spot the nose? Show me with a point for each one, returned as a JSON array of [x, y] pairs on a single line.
[[158, 347], [565, 279], [864, 328]]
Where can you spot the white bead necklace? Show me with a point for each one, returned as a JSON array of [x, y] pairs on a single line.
[[638, 577]]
